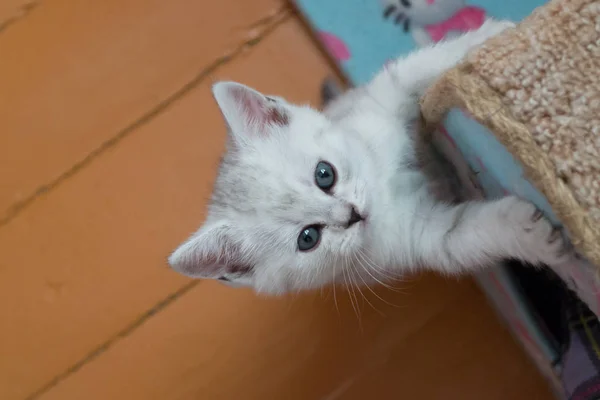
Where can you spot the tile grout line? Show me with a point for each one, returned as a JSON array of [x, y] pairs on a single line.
[[23, 11], [268, 25]]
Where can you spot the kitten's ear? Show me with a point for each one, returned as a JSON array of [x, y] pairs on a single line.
[[249, 113], [210, 253]]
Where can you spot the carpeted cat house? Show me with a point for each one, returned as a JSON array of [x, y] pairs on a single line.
[[537, 89]]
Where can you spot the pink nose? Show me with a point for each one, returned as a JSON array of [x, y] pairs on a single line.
[[430, 1], [354, 217]]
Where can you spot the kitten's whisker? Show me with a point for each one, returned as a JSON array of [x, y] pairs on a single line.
[[378, 296], [355, 308], [353, 272], [385, 278], [369, 288], [324, 294], [335, 261], [359, 310], [376, 269], [354, 290], [397, 278], [373, 268], [386, 275]]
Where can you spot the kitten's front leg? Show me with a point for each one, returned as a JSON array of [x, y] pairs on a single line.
[[473, 235], [402, 82]]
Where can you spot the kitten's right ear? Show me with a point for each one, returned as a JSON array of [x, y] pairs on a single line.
[[248, 113], [211, 253]]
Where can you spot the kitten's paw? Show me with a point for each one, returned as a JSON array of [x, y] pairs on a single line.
[[540, 241], [490, 28]]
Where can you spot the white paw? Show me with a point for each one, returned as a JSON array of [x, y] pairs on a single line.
[[490, 28], [539, 241]]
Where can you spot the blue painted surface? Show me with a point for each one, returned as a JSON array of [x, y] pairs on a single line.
[[372, 40]]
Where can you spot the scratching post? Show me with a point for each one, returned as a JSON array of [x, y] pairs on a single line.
[[537, 88]]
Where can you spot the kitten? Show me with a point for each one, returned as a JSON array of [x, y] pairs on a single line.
[[304, 198]]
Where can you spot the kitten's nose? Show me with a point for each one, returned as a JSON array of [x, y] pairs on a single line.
[[354, 217]]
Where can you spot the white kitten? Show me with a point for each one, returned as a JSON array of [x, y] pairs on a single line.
[[304, 198]]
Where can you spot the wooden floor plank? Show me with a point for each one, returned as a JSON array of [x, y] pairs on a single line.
[[86, 260], [219, 344], [74, 74], [13, 10], [464, 353]]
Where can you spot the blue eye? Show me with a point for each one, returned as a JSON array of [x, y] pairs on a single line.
[[309, 237], [325, 176]]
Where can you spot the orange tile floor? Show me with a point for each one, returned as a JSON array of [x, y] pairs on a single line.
[[109, 141]]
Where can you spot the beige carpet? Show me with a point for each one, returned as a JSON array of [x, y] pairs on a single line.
[[537, 87]]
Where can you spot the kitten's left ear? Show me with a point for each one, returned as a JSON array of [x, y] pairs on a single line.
[[215, 250], [249, 113]]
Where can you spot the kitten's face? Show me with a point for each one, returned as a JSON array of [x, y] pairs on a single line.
[[292, 202]]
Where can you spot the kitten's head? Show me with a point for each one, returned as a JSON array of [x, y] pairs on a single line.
[[291, 203]]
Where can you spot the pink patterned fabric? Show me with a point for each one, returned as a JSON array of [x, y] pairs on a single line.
[[335, 46], [466, 19]]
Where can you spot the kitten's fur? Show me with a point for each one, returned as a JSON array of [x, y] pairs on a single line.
[[265, 193]]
